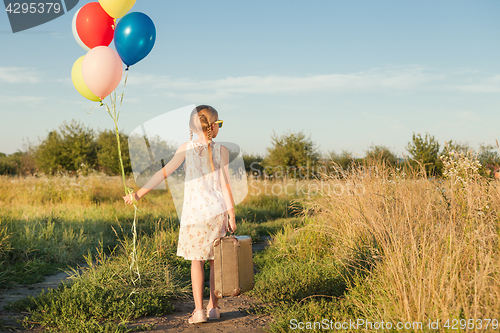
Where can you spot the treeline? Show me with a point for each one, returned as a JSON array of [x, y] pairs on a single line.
[[76, 149], [296, 155]]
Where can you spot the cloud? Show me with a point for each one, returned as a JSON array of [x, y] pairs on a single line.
[[19, 75], [371, 80], [6, 99], [485, 85], [408, 79]]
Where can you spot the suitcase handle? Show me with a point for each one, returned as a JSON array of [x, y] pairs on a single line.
[[229, 232]]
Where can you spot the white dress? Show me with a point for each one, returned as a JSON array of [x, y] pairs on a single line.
[[204, 213]]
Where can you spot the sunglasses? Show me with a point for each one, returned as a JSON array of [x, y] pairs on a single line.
[[220, 122]]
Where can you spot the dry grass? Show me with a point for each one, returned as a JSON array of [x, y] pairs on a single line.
[[35, 196], [430, 247]]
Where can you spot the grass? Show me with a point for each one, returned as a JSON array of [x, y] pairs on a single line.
[[107, 295], [403, 248], [379, 244], [49, 224]]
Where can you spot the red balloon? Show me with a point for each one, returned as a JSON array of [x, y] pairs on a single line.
[[94, 26]]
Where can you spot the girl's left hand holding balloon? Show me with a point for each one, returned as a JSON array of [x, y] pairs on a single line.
[[131, 198]]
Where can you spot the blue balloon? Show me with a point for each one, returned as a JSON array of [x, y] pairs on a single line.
[[135, 36]]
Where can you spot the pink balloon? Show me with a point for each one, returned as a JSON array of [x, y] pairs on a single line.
[[102, 70]]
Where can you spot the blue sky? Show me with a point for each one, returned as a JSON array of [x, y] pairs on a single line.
[[348, 73]]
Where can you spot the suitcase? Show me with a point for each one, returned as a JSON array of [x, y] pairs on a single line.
[[233, 265]]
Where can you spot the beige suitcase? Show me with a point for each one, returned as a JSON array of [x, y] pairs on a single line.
[[233, 265]]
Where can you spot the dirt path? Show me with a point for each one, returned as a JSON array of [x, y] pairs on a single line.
[[234, 318], [9, 318]]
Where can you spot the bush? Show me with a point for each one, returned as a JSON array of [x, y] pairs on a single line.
[[381, 153], [18, 163], [288, 153], [340, 164], [107, 154], [253, 164], [425, 151], [67, 149], [78, 148]]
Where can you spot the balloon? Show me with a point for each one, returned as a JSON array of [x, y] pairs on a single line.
[[135, 36], [93, 26], [117, 8], [75, 33], [79, 83], [102, 70]]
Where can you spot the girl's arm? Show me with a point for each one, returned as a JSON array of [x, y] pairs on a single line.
[[226, 187], [160, 176]]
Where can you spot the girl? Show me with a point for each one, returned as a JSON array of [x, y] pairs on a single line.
[[207, 202]]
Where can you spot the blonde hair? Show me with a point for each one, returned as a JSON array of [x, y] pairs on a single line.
[[207, 115]]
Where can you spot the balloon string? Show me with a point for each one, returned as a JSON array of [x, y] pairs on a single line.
[[126, 78]]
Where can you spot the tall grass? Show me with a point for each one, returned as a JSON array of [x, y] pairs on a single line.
[[407, 247], [48, 223]]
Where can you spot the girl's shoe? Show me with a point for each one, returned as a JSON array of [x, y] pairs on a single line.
[[213, 313], [198, 316]]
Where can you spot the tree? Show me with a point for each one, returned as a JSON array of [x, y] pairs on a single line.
[[290, 154], [253, 163], [107, 154], [382, 153], [426, 150], [7, 166], [455, 146], [340, 163], [48, 153], [68, 150], [18, 163], [79, 146], [489, 159]]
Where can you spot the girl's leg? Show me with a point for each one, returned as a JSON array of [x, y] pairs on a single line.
[[213, 299], [197, 279]]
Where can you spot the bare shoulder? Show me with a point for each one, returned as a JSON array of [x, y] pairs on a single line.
[[182, 148], [224, 151]]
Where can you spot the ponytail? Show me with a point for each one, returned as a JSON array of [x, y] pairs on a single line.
[[209, 132], [209, 135]]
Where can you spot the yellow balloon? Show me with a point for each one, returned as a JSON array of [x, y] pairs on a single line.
[[77, 78], [117, 8]]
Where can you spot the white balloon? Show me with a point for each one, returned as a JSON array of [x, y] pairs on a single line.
[[75, 33]]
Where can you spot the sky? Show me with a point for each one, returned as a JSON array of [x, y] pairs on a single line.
[[348, 74]]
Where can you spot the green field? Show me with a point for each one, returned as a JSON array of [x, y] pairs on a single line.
[[384, 245]]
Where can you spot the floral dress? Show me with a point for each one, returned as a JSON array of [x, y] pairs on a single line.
[[204, 213]]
